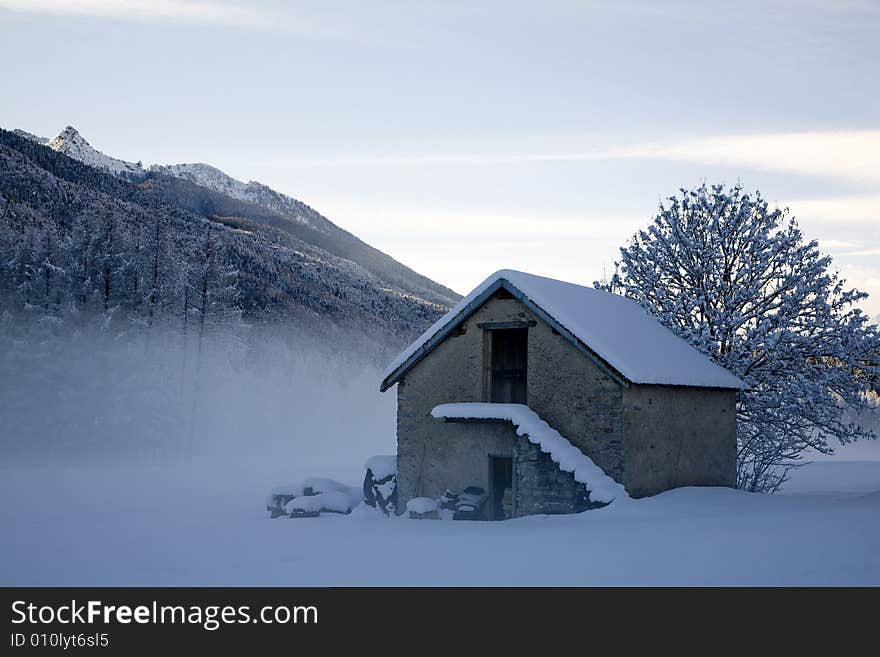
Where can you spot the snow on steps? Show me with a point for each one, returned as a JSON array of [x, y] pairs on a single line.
[[529, 424]]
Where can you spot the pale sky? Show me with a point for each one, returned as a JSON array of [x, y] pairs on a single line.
[[463, 137]]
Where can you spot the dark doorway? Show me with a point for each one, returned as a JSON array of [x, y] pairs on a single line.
[[509, 349], [501, 487]]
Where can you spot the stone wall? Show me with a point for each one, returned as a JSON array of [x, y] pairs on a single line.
[[454, 455], [576, 397], [541, 487], [564, 387], [677, 436]]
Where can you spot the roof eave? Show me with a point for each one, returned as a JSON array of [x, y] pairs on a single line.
[[440, 335]]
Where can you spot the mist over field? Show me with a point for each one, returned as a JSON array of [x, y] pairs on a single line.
[[261, 404]]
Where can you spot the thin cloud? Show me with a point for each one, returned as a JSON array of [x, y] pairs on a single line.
[[848, 155], [441, 158], [452, 224], [838, 209], [184, 11]]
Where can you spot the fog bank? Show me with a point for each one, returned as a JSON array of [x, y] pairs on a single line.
[[264, 403]]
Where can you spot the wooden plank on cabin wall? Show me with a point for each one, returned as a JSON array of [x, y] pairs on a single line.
[[506, 325]]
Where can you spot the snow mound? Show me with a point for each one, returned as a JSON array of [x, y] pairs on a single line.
[[318, 485], [316, 494], [421, 505], [336, 501], [618, 329], [381, 466], [529, 424]]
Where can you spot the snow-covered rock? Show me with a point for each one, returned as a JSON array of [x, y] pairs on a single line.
[[314, 495], [529, 424], [382, 466], [315, 485], [71, 143], [331, 501]]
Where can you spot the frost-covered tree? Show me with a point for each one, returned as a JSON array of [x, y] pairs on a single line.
[[738, 281]]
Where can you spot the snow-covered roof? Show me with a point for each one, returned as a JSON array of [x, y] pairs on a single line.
[[616, 329], [529, 424]]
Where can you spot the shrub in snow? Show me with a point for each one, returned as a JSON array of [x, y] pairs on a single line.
[[380, 483], [737, 280]]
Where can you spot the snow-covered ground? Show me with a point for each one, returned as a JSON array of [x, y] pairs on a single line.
[[208, 526]]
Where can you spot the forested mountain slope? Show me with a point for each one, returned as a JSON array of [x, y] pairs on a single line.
[[76, 240], [213, 192]]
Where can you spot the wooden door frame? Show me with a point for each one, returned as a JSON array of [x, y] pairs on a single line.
[[491, 466]]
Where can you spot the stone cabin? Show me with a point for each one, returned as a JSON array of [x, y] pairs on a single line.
[[647, 408]]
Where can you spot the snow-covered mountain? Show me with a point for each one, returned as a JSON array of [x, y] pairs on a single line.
[[34, 138], [71, 143], [252, 201], [207, 191], [206, 176], [253, 192], [171, 237]]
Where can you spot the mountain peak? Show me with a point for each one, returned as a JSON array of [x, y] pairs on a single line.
[[68, 139], [71, 143]]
